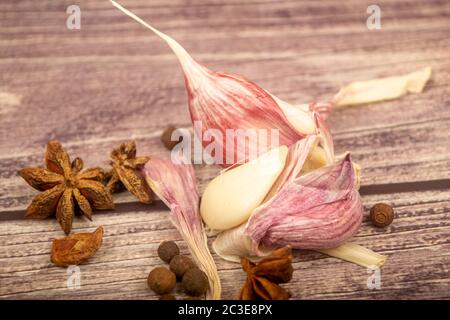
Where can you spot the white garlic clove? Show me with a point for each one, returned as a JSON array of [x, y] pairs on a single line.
[[224, 205]]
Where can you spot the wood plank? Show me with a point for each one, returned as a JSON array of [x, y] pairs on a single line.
[[415, 152], [416, 244], [113, 81]]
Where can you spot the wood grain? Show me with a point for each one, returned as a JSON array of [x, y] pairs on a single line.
[[113, 81]]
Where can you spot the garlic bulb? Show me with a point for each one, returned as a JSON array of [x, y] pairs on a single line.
[[223, 205]]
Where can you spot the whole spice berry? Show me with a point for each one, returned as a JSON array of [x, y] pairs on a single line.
[[166, 138], [180, 264], [195, 282], [167, 250], [161, 280], [66, 188], [381, 215]]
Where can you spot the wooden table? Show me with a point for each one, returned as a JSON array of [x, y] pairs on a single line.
[[112, 81]]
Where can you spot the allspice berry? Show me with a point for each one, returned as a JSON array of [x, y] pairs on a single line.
[[381, 215], [195, 282], [167, 250], [161, 280], [166, 138], [180, 264], [167, 297]]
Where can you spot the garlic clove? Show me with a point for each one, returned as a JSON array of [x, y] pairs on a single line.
[[362, 92], [223, 205]]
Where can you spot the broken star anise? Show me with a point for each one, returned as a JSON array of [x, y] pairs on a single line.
[[263, 278], [76, 248], [66, 188], [125, 170]]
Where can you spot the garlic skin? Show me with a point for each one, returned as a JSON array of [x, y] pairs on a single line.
[[224, 101], [318, 210], [233, 244], [223, 205], [362, 92]]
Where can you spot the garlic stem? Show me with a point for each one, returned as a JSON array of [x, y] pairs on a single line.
[[186, 61], [355, 253]]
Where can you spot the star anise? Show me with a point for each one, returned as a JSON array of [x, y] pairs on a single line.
[[76, 248], [125, 171], [66, 188], [263, 278]]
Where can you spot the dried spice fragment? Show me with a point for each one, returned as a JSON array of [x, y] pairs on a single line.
[[67, 188], [76, 248], [263, 278], [126, 167]]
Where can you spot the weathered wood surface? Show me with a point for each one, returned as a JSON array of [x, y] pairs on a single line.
[[113, 80]]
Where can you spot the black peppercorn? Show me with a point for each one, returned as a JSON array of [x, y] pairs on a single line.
[[381, 215], [167, 250]]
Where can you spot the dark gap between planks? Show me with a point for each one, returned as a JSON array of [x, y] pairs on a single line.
[[388, 188]]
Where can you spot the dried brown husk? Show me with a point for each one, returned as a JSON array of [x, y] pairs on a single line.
[[76, 248]]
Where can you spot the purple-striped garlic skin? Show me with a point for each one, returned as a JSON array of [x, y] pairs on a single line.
[[224, 101], [321, 209]]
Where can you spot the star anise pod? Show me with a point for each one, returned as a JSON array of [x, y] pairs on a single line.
[[263, 278], [126, 170], [76, 248], [66, 188]]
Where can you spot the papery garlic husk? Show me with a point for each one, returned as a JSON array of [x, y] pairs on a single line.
[[321, 209], [224, 101], [175, 185], [362, 92], [355, 253]]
